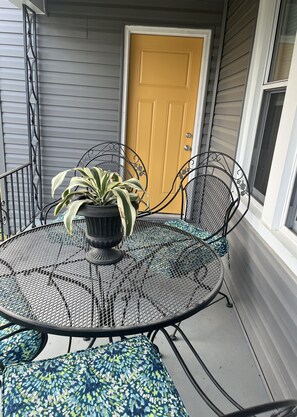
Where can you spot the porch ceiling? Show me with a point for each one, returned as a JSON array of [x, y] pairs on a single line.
[[39, 6]]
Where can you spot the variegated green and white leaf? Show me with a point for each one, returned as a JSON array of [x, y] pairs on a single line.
[[66, 192], [80, 182], [127, 211], [67, 199], [97, 174], [98, 187], [105, 183], [57, 180], [72, 211], [113, 184], [85, 172], [133, 183]]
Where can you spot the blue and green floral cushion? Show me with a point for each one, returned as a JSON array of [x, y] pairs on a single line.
[[23, 346], [159, 248], [121, 379], [166, 251], [220, 246]]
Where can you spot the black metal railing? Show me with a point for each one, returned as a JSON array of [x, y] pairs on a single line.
[[17, 209], [32, 100]]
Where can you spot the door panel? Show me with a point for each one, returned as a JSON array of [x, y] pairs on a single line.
[[164, 74]]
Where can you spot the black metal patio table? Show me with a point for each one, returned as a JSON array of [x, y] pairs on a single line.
[[46, 283], [165, 276]]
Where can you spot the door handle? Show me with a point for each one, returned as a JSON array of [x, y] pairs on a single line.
[[187, 148]]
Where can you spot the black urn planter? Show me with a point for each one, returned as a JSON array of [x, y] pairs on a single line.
[[104, 231]]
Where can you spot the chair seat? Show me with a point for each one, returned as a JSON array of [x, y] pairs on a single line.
[[125, 378], [168, 260], [220, 246], [23, 346]]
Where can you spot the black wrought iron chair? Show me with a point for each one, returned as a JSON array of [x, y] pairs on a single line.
[[124, 378], [17, 344], [110, 156], [211, 186], [286, 408]]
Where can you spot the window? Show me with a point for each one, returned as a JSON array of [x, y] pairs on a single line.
[[270, 115], [274, 89], [284, 41], [267, 144]]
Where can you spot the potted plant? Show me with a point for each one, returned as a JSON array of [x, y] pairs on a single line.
[[108, 203]]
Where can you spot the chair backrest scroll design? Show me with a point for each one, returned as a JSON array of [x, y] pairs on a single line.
[[110, 156], [213, 186], [114, 156], [217, 185]]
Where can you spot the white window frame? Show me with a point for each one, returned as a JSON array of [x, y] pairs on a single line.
[[292, 213], [269, 220]]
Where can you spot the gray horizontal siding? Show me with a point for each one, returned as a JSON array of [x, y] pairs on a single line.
[[12, 87], [263, 288], [79, 92], [84, 102], [265, 293], [81, 45], [50, 56], [238, 40], [80, 57], [10, 51], [80, 69]]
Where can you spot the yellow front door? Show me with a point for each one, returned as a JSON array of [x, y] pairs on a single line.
[[164, 74]]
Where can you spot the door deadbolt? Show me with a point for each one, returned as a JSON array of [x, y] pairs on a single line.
[[189, 135]]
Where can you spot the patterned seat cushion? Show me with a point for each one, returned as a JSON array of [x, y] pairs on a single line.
[[121, 379], [152, 246], [220, 246], [166, 251], [23, 346]]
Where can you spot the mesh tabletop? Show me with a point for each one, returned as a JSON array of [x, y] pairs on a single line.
[[165, 275]]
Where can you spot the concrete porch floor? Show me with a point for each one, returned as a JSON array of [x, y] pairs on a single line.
[[217, 335]]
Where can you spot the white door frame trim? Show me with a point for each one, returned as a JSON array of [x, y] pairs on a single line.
[[201, 94]]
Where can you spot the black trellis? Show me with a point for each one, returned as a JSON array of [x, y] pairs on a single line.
[[32, 97]]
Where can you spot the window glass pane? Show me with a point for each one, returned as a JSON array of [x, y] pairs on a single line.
[[284, 42], [265, 142], [291, 222]]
